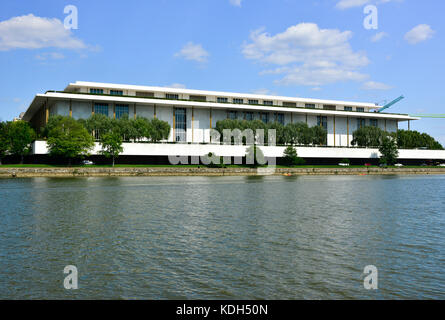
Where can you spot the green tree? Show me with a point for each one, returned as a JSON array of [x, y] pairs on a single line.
[[408, 139], [111, 145], [388, 150], [319, 135], [368, 136], [255, 156], [4, 141], [160, 130], [69, 139], [143, 128], [98, 125], [298, 133], [291, 157], [21, 136], [125, 127]]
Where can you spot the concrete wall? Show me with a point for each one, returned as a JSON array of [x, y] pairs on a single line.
[[148, 149]]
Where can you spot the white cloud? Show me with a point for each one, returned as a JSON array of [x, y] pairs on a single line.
[[304, 54], [346, 4], [263, 91], [177, 86], [236, 3], [373, 85], [31, 32], [420, 33], [379, 36], [193, 52], [50, 55]]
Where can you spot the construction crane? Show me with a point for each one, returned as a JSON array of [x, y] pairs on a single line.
[[386, 106]]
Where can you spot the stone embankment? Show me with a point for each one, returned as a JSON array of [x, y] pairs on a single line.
[[203, 171]]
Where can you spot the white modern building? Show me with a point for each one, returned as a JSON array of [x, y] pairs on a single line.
[[192, 113]]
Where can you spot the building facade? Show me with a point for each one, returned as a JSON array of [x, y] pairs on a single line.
[[192, 113]]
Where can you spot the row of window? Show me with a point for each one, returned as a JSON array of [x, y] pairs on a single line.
[[174, 96], [119, 109], [263, 116]]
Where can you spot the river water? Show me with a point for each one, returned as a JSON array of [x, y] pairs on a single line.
[[275, 237]]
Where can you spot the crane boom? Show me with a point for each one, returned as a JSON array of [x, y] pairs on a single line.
[[391, 103]]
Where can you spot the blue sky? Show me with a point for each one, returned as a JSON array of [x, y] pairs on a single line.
[[316, 49]]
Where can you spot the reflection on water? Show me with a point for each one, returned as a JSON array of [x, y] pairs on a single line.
[[223, 237]]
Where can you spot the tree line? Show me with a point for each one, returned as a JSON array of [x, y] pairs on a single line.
[[70, 138], [373, 137], [298, 133]]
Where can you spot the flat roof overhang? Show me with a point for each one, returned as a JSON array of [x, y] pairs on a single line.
[[40, 99], [86, 84]]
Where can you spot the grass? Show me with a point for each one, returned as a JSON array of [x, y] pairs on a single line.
[[188, 166]]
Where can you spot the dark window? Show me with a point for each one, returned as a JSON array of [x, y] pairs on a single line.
[[360, 109], [116, 92], [121, 110], [348, 109], [238, 101], [198, 98], [373, 122], [253, 102], [328, 107], [264, 117], [101, 108], [180, 125], [280, 118], [289, 104], [248, 116], [268, 103], [97, 91], [360, 123], [231, 115], [323, 122], [144, 94], [172, 96], [309, 105], [222, 100]]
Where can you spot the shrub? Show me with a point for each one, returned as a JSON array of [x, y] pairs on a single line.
[[291, 158]]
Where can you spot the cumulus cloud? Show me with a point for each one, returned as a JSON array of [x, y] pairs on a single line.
[[420, 33], [236, 3], [346, 4], [373, 85], [31, 32], [177, 86], [304, 54], [379, 36], [193, 52], [50, 55]]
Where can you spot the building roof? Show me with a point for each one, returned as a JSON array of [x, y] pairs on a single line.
[[217, 93]]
